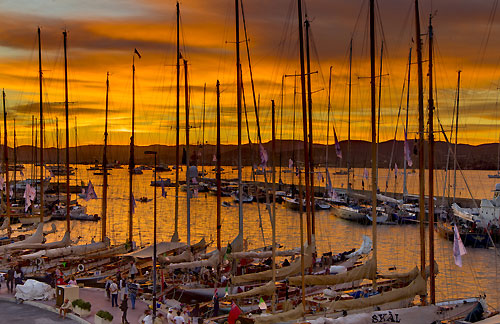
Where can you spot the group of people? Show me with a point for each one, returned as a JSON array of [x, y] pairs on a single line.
[[123, 288], [14, 277]]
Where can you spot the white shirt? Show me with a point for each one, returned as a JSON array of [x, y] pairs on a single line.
[[148, 319], [133, 269], [113, 288], [170, 318], [179, 319]]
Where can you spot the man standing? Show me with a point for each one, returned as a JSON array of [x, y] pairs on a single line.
[[10, 280], [124, 308], [132, 291], [113, 289], [179, 319], [133, 270]]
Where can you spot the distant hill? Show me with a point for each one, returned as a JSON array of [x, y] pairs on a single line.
[[469, 157]]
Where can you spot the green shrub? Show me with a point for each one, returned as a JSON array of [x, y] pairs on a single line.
[[82, 304], [104, 314]]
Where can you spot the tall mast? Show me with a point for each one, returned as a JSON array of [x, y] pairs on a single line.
[[57, 158], [33, 148], [6, 163], [309, 106], [456, 140], [203, 133], [238, 104], [105, 168], [66, 108], [41, 123], [281, 124], [188, 178], [304, 121], [349, 122], [421, 161], [218, 166], [374, 133], [431, 170], [379, 98], [328, 119], [405, 189], [131, 164], [76, 152], [273, 155], [15, 161], [175, 236]]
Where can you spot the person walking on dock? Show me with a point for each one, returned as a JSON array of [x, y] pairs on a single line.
[[133, 270], [124, 308], [113, 289]]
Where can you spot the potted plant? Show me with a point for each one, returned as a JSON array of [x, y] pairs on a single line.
[[103, 317], [81, 307]]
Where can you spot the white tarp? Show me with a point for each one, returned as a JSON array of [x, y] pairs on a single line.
[[34, 290]]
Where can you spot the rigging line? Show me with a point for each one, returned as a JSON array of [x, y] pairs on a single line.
[[396, 132]]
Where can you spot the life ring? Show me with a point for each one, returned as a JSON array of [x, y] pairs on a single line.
[[39, 262], [81, 267]]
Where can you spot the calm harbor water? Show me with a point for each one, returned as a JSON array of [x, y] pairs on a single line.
[[398, 246]]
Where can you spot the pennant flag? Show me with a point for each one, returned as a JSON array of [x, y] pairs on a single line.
[[395, 170], [458, 247], [22, 173], [137, 52], [365, 174], [29, 196], [195, 192], [290, 163], [90, 192], [234, 313], [193, 180], [214, 159], [215, 294], [297, 171], [133, 204], [226, 292], [407, 152], [263, 156], [262, 304], [318, 175], [337, 145], [51, 173], [163, 191]]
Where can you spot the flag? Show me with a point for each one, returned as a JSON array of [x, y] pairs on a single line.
[[290, 163], [29, 196], [133, 203], [2, 183], [263, 155], [195, 193], [137, 52], [193, 180], [337, 145], [395, 170], [262, 304], [215, 294], [163, 191], [22, 173], [234, 313], [318, 175], [51, 173], [365, 174], [214, 159], [407, 152], [297, 171], [90, 192], [328, 181], [458, 247], [226, 292]]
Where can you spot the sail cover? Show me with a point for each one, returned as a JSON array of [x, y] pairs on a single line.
[[280, 317], [416, 287], [264, 290], [366, 271]]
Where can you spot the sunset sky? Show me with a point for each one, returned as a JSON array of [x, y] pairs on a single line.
[[102, 36]]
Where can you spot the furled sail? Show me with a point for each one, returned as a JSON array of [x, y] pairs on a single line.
[[264, 290], [366, 271]]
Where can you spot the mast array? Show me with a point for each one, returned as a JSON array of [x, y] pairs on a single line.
[[66, 110], [238, 106], [104, 217], [6, 164], [40, 74]]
